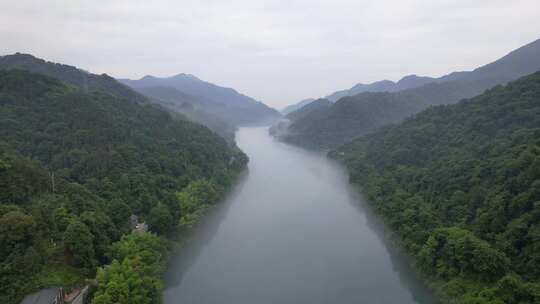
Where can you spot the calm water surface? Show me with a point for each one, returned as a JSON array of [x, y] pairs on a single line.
[[292, 231]]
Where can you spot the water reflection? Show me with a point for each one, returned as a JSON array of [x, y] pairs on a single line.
[[205, 232], [294, 231], [401, 262]]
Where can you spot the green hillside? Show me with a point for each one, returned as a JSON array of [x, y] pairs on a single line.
[[195, 108], [354, 116], [460, 187], [86, 81], [75, 165]]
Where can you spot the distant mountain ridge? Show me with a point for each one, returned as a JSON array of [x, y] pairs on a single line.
[[519, 62], [497, 69], [353, 116], [407, 82], [229, 104], [71, 75], [291, 108], [309, 108], [185, 106], [196, 108]]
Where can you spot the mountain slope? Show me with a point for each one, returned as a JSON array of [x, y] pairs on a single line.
[[509, 67], [291, 108], [459, 184], [68, 74], [236, 108], [167, 97], [407, 82], [309, 108], [353, 116], [75, 165], [357, 115], [520, 62], [195, 108]]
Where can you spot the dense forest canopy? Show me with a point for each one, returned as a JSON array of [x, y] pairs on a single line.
[[183, 106], [84, 80], [75, 165], [460, 187]]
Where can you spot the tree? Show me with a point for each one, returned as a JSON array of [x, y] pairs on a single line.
[[78, 243], [119, 213], [160, 219], [123, 283], [103, 231], [16, 228]]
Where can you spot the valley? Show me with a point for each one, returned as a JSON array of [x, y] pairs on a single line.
[[143, 159]]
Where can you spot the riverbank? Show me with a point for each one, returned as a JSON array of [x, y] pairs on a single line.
[[140, 258], [292, 231]]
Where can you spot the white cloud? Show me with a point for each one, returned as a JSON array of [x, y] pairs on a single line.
[[276, 51]]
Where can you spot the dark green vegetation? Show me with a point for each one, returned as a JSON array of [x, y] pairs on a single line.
[[221, 111], [87, 82], [75, 164], [226, 104], [181, 105], [357, 115], [459, 185], [138, 261], [363, 113]]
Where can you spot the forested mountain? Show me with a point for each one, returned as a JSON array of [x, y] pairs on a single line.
[[354, 116], [291, 108], [520, 62], [407, 82], [188, 106], [196, 108], [75, 164], [309, 108], [228, 104], [357, 115], [68, 74], [459, 185], [280, 128]]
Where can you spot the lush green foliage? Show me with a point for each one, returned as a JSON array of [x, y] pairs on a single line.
[[194, 199], [460, 186], [71, 75], [353, 116], [74, 166], [134, 274]]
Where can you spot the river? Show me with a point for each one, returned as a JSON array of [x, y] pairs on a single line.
[[292, 231]]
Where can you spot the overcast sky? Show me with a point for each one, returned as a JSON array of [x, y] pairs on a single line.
[[278, 52]]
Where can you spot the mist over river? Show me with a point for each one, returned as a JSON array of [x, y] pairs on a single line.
[[292, 231]]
